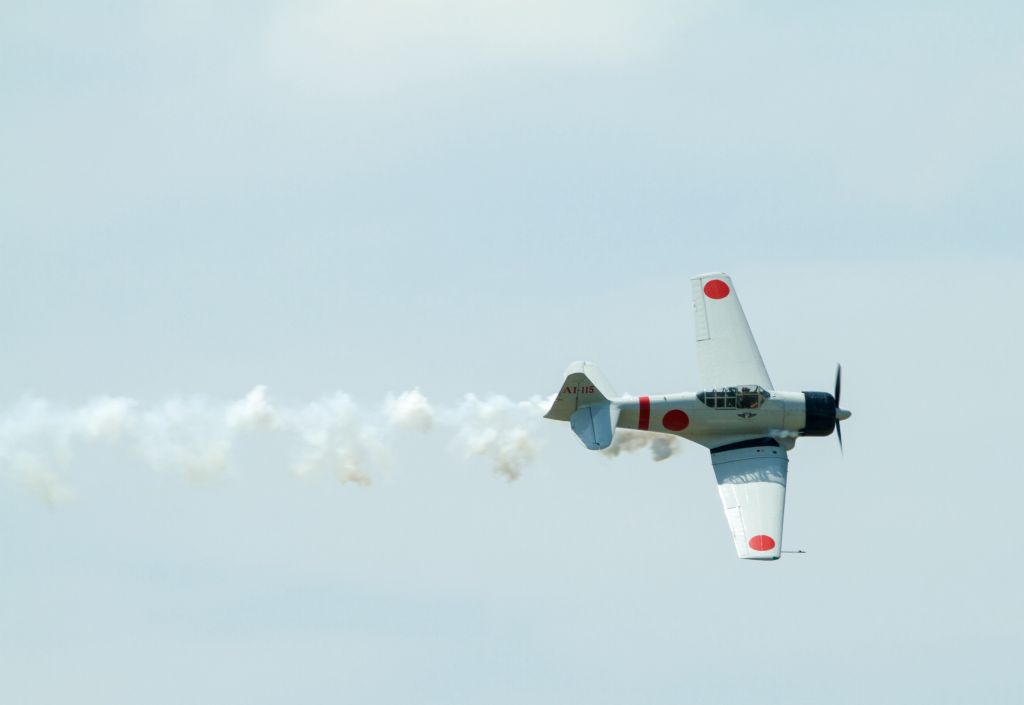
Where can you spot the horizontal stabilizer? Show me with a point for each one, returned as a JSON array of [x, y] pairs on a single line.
[[595, 424]]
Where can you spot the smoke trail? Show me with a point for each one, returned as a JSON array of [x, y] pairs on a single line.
[[500, 430], [629, 441], [410, 410], [35, 447], [194, 436], [252, 412], [105, 418], [336, 439]]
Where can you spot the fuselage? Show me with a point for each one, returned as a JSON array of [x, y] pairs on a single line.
[[712, 420]]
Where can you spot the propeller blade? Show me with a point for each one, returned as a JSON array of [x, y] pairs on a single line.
[[839, 430], [839, 379]]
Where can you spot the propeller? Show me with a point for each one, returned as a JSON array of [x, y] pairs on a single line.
[[840, 412]]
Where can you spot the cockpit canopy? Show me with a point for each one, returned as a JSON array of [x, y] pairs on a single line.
[[745, 397]]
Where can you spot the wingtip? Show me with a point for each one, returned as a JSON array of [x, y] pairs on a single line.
[[711, 275]]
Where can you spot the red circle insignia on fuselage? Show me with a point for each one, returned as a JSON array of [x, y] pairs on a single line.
[[762, 542], [675, 420], [716, 289]]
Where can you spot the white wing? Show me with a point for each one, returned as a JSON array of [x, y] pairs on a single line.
[[726, 352], [752, 484]]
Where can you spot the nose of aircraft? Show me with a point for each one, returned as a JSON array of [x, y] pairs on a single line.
[[842, 414]]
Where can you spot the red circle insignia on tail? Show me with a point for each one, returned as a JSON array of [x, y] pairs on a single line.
[[716, 289]]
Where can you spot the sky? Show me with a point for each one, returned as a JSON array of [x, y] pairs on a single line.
[[283, 286]]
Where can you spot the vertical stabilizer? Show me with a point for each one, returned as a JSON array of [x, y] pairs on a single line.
[[584, 385], [587, 401]]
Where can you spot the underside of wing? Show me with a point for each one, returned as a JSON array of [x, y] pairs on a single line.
[[727, 354], [752, 484]]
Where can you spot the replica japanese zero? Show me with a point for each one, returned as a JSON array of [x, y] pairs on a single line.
[[745, 422]]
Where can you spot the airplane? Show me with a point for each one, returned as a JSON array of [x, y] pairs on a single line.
[[739, 416]]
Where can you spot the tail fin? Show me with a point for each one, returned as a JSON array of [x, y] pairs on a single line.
[[584, 385], [586, 400]]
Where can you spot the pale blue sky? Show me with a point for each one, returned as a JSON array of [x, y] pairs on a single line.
[[464, 197]]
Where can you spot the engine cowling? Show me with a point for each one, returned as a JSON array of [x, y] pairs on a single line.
[[820, 410]]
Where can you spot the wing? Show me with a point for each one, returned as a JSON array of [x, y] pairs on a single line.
[[752, 484], [726, 352]]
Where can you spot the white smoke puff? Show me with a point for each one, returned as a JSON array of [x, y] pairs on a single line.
[[33, 419], [106, 418], [335, 439], [543, 404], [516, 450], [316, 423], [353, 457], [410, 410], [350, 461], [663, 447], [783, 434], [355, 476], [253, 411], [199, 463], [499, 429], [509, 450], [627, 440], [35, 443], [45, 483], [186, 436]]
